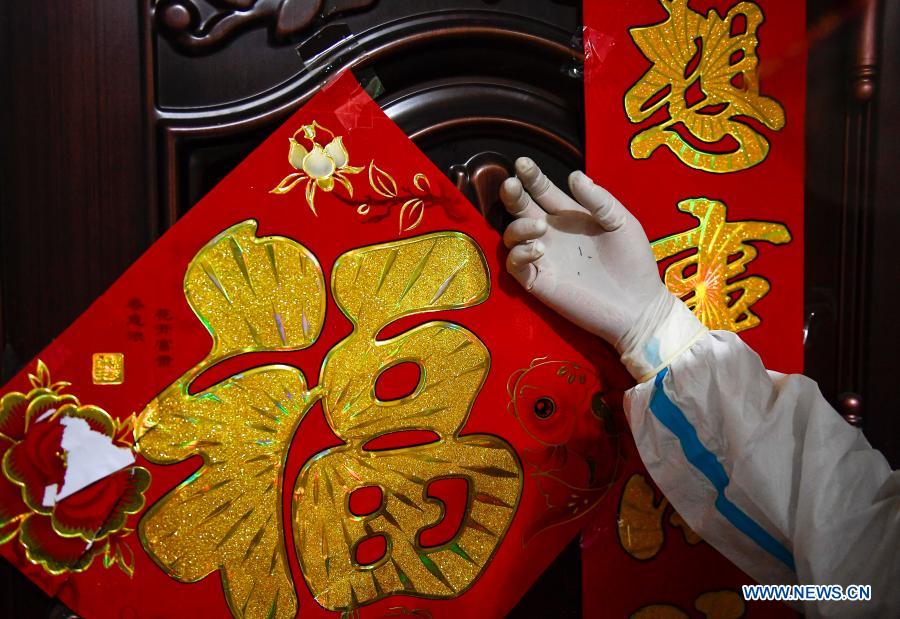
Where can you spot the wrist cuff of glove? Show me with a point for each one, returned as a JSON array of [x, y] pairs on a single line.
[[661, 333]]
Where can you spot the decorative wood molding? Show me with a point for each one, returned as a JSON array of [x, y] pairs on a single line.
[[184, 24], [169, 130], [865, 69], [856, 217]]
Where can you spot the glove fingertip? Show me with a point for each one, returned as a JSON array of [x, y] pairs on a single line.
[[525, 165], [510, 191], [578, 177], [525, 274]]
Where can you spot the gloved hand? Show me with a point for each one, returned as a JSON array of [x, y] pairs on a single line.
[[589, 259]]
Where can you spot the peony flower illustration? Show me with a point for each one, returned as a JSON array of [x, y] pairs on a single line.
[[68, 484], [319, 166]]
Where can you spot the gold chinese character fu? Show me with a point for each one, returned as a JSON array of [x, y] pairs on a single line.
[[707, 279], [704, 71], [268, 294]]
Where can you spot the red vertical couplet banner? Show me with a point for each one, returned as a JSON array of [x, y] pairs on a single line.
[[695, 121]]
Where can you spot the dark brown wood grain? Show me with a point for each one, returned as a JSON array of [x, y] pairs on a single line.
[[74, 189], [72, 183], [192, 32]]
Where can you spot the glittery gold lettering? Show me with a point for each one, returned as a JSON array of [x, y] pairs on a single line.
[[705, 75], [256, 294], [108, 368], [227, 515], [706, 279], [640, 519], [374, 287], [268, 294], [253, 295], [724, 604]]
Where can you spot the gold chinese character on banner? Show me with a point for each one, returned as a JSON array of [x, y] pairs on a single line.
[[374, 287], [704, 71], [706, 279], [252, 295], [640, 522], [725, 604], [268, 294]]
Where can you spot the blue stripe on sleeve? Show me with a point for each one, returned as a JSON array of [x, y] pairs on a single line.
[[697, 454]]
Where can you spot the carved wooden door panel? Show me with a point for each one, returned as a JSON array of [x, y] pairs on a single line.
[[118, 116]]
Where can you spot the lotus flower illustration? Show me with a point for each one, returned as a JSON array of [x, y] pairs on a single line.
[[318, 166]]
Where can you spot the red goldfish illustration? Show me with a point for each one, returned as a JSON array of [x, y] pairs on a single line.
[[562, 405]]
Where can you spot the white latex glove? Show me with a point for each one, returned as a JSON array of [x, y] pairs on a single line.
[[589, 259]]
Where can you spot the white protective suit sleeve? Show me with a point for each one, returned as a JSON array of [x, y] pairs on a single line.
[[756, 462], [769, 474]]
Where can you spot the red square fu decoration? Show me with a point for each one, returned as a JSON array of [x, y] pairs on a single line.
[[324, 409]]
